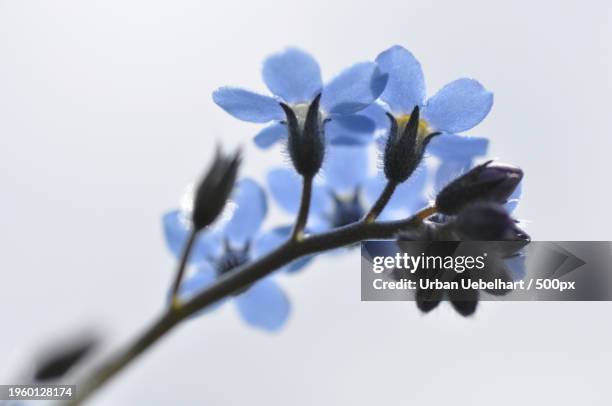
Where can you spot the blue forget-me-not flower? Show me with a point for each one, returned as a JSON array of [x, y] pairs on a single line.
[[232, 241], [457, 107], [294, 78]]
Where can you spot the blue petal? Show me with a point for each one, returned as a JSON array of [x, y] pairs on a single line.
[[264, 305], [354, 89], [198, 281], [336, 135], [355, 123], [292, 75], [450, 146], [286, 189], [299, 264], [345, 167], [358, 129], [458, 106], [378, 115], [406, 86], [409, 196], [515, 198], [270, 135], [269, 240], [251, 209], [457, 153], [204, 277], [248, 106], [353, 129], [176, 232], [449, 169]]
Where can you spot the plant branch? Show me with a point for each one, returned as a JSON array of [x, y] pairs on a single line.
[[302, 216], [290, 251], [178, 278], [239, 279], [382, 201], [121, 359]]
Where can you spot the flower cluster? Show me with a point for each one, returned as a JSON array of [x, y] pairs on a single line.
[[476, 206], [331, 130]]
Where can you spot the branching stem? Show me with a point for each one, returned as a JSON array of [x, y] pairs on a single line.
[[236, 280]]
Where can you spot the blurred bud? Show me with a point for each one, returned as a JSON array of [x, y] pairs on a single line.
[[404, 148], [464, 301], [57, 362], [485, 221], [493, 182], [214, 189], [306, 142]]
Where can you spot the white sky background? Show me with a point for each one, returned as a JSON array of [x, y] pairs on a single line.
[[105, 116]]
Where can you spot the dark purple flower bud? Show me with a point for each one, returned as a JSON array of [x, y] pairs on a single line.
[[404, 148], [215, 188], [485, 221], [493, 182], [306, 141]]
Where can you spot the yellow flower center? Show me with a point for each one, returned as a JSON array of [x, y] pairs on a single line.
[[423, 131]]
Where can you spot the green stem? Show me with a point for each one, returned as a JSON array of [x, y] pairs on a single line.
[[382, 201], [302, 216], [121, 359], [237, 280], [178, 278]]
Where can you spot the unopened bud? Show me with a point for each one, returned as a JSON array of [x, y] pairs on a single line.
[[485, 221], [492, 182], [214, 190]]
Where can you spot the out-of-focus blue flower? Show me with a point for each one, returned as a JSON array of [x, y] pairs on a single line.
[[345, 190], [457, 154], [457, 107], [234, 240], [294, 77]]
